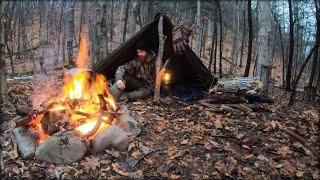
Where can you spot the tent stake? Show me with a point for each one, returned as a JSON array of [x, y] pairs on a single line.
[[159, 60]]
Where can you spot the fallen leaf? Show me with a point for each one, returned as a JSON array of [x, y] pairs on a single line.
[[240, 136], [217, 124], [299, 174], [149, 161], [288, 167], [220, 166], [284, 150], [174, 152], [116, 167], [136, 154], [91, 163], [246, 169]]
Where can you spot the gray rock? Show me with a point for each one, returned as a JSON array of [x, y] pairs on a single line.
[[113, 136], [63, 149], [128, 123], [25, 140]]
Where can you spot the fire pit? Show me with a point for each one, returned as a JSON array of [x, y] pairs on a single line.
[[83, 116]]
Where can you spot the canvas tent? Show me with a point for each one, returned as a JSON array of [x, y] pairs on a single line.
[[187, 69]]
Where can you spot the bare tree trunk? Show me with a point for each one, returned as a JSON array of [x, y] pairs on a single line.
[[291, 27], [316, 46], [213, 48], [70, 21], [197, 32], [235, 46], [314, 62], [60, 28], [82, 17], [243, 37], [311, 84], [159, 60], [137, 13], [282, 49], [43, 33], [264, 40], [132, 18], [3, 80], [204, 30], [102, 31], [220, 40], [247, 70], [111, 28], [124, 21]]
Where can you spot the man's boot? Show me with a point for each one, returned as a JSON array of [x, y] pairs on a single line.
[[116, 92]]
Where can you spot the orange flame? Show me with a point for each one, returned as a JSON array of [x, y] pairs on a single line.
[[82, 59]]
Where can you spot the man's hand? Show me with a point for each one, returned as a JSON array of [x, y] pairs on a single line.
[[120, 84]]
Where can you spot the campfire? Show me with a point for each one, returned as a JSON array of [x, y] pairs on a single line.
[[85, 107], [85, 104]]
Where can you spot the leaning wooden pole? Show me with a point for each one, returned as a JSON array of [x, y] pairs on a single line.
[[159, 60]]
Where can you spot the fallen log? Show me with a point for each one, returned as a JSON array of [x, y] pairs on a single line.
[[252, 98], [242, 84], [226, 98]]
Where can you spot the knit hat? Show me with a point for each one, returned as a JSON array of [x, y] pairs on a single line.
[[144, 45]]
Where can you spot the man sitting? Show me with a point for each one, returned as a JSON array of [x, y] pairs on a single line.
[[135, 79]]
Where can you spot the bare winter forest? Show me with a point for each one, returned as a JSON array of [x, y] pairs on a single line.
[[222, 89]]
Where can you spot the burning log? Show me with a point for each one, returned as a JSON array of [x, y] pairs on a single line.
[[51, 121], [95, 128]]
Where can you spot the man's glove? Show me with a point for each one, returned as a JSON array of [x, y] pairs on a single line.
[[180, 38]]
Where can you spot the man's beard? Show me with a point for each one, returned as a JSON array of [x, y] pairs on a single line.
[[144, 58]]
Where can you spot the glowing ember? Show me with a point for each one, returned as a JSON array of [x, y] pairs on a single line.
[[82, 89], [35, 127]]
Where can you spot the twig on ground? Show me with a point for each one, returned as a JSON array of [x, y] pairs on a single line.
[[149, 152]]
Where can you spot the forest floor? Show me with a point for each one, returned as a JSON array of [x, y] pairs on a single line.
[[189, 140]]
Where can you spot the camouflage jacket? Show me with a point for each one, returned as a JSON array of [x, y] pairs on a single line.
[[139, 69]]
